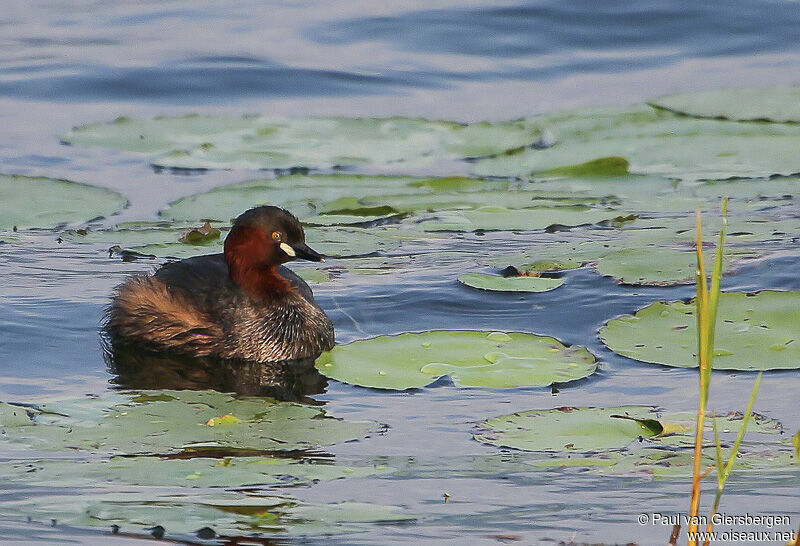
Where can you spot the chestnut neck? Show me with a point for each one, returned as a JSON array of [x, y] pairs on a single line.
[[252, 264]]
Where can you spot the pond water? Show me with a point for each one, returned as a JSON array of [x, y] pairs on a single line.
[[68, 65]]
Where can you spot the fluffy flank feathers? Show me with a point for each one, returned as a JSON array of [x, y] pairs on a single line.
[[145, 310]]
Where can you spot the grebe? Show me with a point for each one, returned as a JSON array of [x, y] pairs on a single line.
[[242, 304]]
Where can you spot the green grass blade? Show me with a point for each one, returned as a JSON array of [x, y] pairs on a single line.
[[718, 457], [747, 414], [797, 445], [713, 296]]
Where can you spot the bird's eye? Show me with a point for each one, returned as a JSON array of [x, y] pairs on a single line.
[[276, 236]]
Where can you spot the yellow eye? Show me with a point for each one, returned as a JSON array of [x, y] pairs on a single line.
[[276, 236]]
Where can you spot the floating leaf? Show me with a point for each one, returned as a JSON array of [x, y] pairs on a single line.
[[160, 426], [498, 283], [501, 219], [650, 265], [470, 358], [312, 274], [655, 142], [190, 472], [604, 166], [567, 429], [255, 142], [27, 202], [583, 430], [13, 416], [777, 104], [181, 514], [152, 239], [754, 332], [163, 239], [678, 464]]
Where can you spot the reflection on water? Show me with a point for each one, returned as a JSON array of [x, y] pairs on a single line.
[[290, 380]]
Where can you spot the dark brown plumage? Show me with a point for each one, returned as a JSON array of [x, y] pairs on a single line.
[[242, 304]]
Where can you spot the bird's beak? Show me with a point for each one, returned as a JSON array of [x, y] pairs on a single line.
[[305, 252]]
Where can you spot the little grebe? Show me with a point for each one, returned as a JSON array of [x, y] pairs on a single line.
[[242, 304]]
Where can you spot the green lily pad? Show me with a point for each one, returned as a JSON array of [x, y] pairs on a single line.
[[346, 219], [164, 239], [678, 464], [13, 416], [559, 255], [604, 166], [502, 219], [655, 142], [345, 243], [181, 514], [470, 358], [584, 430], [754, 332], [498, 283], [193, 472], [160, 134], [187, 420], [153, 239], [777, 104], [312, 274], [255, 142], [302, 194], [652, 265], [27, 202], [568, 429], [515, 198]]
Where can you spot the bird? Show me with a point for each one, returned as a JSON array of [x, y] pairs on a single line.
[[242, 304]]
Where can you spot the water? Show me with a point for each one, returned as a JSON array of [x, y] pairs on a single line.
[[68, 64]]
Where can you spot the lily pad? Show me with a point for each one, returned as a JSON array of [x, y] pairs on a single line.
[[164, 239], [13, 416], [655, 142], [255, 142], [498, 283], [181, 515], [142, 424], [502, 219], [754, 332], [470, 358], [154, 239], [559, 255], [27, 202], [651, 265], [191, 472], [585, 430], [604, 166], [304, 195], [777, 104]]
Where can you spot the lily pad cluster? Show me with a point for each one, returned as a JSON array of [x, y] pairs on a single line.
[[181, 441], [165, 422], [195, 515], [257, 142], [643, 168]]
